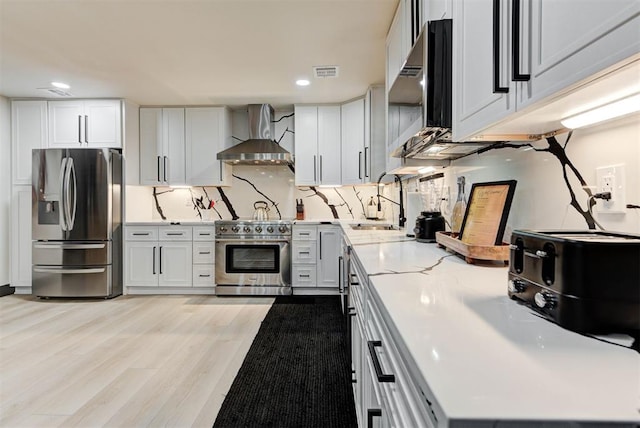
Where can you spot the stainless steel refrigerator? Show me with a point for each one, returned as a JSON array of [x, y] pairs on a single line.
[[77, 222]]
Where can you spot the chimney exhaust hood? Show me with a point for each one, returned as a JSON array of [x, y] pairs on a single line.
[[260, 148]]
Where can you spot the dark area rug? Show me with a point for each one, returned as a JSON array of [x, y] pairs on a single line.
[[297, 372]]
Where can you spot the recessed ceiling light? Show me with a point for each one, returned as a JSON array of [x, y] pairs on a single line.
[[302, 82], [60, 85]]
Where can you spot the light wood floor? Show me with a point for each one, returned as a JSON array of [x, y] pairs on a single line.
[[133, 361]]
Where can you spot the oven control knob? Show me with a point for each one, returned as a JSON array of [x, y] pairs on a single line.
[[247, 229], [270, 229], [516, 286], [544, 300], [235, 229], [223, 229], [258, 229], [282, 229]]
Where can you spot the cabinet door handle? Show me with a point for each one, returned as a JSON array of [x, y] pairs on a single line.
[[154, 260], [366, 170], [79, 129], [86, 129], [351, 311], [314, 168], [340, 284], [354, 279], [497, 89], [320, 242], [303, 252], [204, 252], [360, 165], [204, 234], [220, 171], [320, 168], [204, 276], [515, 43], [372, 413], [304, 276], [382, 377], [140, 233], [165, 169], [158, 169], [175, 233], [160, 260]]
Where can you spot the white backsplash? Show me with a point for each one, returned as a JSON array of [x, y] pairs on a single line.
[[542, 197], [273, 184]]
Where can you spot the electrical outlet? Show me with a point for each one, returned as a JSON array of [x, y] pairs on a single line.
[[611, 179]]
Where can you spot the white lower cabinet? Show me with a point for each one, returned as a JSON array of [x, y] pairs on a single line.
[[158, 256], [385, 393], [204, 256], [315, 252], [21, 238]]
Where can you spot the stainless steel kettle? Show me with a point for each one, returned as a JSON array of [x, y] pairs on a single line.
[[261, 211]]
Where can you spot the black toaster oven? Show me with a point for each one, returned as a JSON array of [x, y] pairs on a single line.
[[585, 281]]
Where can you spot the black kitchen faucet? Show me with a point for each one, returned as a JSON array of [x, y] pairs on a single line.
[[401, 218]]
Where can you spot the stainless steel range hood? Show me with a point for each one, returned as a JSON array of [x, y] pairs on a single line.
[[434, 143], [260, 148]]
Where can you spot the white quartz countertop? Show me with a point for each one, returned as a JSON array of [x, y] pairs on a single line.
[[484, 356]]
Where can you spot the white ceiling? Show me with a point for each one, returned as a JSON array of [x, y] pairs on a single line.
[[182, 52]]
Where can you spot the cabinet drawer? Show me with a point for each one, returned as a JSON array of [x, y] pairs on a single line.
[[303, 252], [141, 233], [204, 233], [203, 252], [203, 275], [304, 233], [175, 233], [303, 276]]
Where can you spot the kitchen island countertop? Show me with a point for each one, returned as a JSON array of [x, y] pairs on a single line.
[[483, 356]]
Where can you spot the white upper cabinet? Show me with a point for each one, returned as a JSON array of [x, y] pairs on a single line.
[[85, 123], [355, 154], [162, 146], [396, 53], [28, 131], [503, 65], [208, 131], [317, 147]]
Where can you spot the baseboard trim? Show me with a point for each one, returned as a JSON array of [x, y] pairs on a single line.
[[6, 289]]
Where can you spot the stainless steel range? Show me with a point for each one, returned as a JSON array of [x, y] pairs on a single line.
[[253, 257]]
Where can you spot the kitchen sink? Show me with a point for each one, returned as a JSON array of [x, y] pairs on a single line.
[[361, 226]]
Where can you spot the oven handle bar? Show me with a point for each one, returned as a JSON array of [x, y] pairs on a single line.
[[252, 240]]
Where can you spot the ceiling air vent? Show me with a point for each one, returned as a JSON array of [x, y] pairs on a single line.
[[411, 71], [57, 91], [323, 71]]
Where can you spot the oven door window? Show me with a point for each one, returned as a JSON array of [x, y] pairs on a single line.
[[260, 258]]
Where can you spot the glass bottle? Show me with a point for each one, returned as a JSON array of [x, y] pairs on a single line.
[[458, 209]]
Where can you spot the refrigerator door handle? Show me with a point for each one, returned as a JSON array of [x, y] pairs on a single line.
[[61, 211], [68, 270], [65, 246], [72, 208]]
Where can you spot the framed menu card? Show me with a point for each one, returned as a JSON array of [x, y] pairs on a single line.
[[486, 216]]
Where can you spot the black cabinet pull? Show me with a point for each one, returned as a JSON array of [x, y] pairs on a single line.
[[175, 233], [205, 252], [382, 377], [154, 260], [160, 260], [360, 165], [372, 413], [205, 276], [340, 280], [497, 89], [320, 245], [158, 168], [140, 233], [304, 276], [366, 170], [80, 130], [165, 169], [515, 43]]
